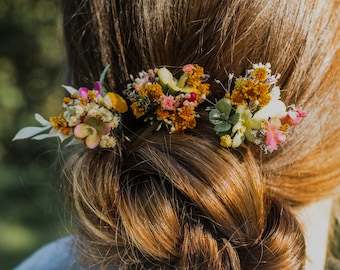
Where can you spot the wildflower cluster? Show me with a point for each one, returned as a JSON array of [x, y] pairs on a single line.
[[158, 95], [253, 111], [92, 116]]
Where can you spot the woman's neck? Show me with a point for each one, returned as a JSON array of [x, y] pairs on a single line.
[[315, 219]]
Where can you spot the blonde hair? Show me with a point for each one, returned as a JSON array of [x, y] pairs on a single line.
[[180, 201]]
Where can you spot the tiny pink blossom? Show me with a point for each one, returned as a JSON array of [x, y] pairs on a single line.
[[167, 103], [188, 68], [84, 92], [293, 117], [274, 135]]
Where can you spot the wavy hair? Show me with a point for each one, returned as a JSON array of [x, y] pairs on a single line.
[[179, 201]]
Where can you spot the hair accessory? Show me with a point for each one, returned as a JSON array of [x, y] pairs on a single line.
[[158, 95], [252, 111], [92, 116]]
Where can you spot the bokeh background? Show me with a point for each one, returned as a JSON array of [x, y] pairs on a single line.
[[32, 70]]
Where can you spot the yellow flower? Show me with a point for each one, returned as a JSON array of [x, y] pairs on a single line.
[[154, 91], [238, 98], [137, 111], [162, 114], [92, 95], [184, 119], [204, 88], [260, 74], [67, 100], [261, 88], [226, 141], [194, 79], [59, 123], [240, 83], [264, 100], [118, 103]]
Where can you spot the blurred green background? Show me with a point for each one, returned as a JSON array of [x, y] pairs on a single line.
[[32, 69]]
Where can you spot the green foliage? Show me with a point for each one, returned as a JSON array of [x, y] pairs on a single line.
[[31, 64], [221, 118]]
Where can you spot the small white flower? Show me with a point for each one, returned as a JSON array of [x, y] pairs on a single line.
[[107, 102], [108, 141], [114, 123]]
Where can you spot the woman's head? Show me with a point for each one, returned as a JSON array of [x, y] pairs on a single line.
[[180, 199]]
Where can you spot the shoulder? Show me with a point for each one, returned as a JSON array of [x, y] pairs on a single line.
[[60, 254]]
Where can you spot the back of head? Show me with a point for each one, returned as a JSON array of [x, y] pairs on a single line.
[[180, 201]]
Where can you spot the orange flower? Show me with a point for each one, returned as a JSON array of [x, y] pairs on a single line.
[[59, 123], [238, 98], [162, 114], [204, 88], [260, 74], [264, 100], [137, 111], [67, 100], [194, 79], [184, 119], [261, 88], [154, 91]]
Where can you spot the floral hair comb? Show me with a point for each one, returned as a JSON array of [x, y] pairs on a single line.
[[252, 111]]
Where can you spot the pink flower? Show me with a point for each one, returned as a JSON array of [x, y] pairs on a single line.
[[167, 103], [189, 68], [91, 131], [84, 92], [293, 117], [274, 135]]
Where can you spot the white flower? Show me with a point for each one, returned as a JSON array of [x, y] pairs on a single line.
[[108, 141], [114, 123], [275, 108], [107, 102], [73, 114]]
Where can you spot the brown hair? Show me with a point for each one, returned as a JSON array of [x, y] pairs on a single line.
[[180, 201]]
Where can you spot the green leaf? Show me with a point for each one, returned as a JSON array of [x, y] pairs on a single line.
[[102, 76], [223, 127], [224, 106], [234, 119], [215, 117]]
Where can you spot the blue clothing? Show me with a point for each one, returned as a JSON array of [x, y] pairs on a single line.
[[58, 255]]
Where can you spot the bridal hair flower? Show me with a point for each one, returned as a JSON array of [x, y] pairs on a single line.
[[252, 111], [158, 95], [92, 116]]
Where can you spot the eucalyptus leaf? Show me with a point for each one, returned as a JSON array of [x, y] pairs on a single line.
[[224, 105], [223, 127], [215, 117], [234, 119]]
